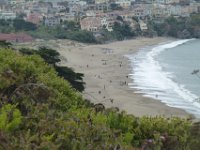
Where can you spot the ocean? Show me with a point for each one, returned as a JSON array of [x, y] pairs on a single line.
[[165, 72]]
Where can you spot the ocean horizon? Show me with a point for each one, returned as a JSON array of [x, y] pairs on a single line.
[[164, 72]]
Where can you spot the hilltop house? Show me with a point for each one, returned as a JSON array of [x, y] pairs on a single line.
[[101, 1], [123, 3], [51, 21], [91, 24], [7, 15], [107, 23]]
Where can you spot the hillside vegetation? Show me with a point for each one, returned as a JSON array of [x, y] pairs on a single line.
[[41, 111], [178, 27]]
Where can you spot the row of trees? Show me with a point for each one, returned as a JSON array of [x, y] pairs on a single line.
[[7, 26], [178, 27], [67, 30], [40, 110], [182, 27], [52, 57]]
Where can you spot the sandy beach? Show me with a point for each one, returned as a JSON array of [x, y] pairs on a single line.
[[106, 74], [106, 71]]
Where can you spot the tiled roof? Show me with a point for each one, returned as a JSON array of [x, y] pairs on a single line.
[[12, 37]]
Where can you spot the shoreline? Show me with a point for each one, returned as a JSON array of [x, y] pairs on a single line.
[[106, 71]]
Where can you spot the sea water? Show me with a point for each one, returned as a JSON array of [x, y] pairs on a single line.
[[164, 72]]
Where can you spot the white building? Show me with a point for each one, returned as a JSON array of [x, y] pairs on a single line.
[[73, 2], [58, 7], [51, 21], [123, 3], [90, 13], [166, 1], [106, 23], [14, 2], [101, 1], [7, 15], [143, 25]]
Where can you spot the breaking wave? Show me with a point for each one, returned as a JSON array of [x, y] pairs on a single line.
[[150, 80]]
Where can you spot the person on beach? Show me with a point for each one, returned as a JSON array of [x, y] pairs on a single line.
[[111, 100]]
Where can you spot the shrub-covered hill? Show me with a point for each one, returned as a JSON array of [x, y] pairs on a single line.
[[41, 111]]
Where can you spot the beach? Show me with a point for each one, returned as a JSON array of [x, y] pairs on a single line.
[[106, 74]]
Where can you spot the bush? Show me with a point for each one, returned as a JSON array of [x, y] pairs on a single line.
[[81, 36]]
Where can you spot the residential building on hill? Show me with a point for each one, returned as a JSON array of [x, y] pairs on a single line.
[[7, 15], [123, 3], [91, 24], [51, 21]]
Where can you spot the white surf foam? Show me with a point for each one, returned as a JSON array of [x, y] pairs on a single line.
[[150, 80]]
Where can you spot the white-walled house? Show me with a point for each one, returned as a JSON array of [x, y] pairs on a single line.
[[143, 25], [107, 23], [124, 3], [51, 21], [7, 15]]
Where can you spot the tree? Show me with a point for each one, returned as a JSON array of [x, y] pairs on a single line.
[[122, 31], [4, 44], [21, 15], [72, 25], [10, 118], [49, 55], [21, 25], [75, 79], [52, 57], [120, 18]]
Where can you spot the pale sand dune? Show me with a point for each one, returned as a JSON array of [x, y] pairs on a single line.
[[106, 72]]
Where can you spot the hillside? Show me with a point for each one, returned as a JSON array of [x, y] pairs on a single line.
[[40, 110]]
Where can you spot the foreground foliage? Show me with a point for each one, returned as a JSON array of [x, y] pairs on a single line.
[[41, 111], [52, 58]]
